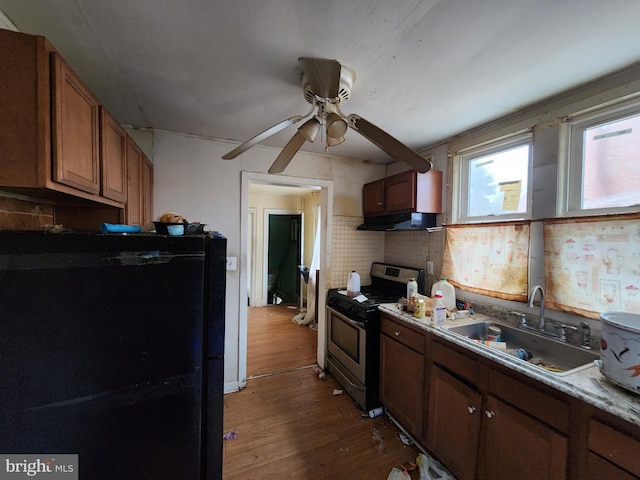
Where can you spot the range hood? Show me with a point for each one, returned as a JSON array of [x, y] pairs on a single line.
[[399, 222]]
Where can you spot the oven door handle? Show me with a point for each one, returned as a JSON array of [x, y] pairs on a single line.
[[356, 324], [347, 319]]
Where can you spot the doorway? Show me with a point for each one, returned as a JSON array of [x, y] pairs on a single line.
[[325, 189], [284, 256]]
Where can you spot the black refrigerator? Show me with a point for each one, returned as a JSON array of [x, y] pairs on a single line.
[[111, 348]]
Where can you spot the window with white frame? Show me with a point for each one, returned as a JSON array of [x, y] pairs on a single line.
[[603, 174], [494, 180]]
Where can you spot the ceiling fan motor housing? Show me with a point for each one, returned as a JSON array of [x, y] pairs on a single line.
[[347, 77]]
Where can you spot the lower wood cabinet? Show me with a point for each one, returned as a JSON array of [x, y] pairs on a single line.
[[516, 445], [613, 453], [483, 424], [453, 427], [485, 421], [402, 385]]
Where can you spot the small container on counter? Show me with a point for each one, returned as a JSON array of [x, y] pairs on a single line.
[[412, 287], [439, 311], [419, 308]]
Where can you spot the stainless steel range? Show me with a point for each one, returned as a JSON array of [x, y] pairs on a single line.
[[353, 330]]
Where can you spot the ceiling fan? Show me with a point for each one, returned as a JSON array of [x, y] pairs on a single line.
[[326, 85]]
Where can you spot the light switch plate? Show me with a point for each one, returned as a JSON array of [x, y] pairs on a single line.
[[429, 267], [232, 263]]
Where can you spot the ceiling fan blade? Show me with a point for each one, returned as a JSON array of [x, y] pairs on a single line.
[[262, 136], [323, 75], [287, 153], [388, 144]]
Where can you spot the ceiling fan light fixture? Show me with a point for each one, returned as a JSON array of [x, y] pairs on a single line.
[[309, 129], [332, 142], [336, 126]]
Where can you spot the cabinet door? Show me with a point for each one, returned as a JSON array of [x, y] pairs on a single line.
[[147, 190], [402, 383], [616, 448], [519, 446], [113, 158], [134, 214], [600, 469], [454, 423], [400, 192], [373, 198], [75, 130]]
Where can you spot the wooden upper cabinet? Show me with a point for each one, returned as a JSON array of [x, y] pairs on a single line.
[[404, 192], [113, 158], [76, 159], [373, 197], [139, 209], [133, 211], [49, 126], [147, 190], [400, 192]]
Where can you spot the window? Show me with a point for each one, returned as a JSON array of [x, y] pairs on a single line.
[[604, 161], [494, 181]]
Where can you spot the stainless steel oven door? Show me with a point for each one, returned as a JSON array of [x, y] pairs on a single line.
[[347, 342]]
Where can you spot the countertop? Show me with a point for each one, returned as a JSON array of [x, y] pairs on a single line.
[[577, 384]]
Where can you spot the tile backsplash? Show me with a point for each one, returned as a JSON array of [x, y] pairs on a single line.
[[353, 249]]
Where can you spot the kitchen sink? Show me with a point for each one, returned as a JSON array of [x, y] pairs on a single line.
[[549, 354]]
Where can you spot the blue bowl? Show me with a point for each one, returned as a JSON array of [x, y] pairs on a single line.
[[175, 229]]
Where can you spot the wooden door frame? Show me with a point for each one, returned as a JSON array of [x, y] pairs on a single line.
[[326, 202]]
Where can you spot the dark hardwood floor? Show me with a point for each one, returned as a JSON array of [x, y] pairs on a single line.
[[289, 424]]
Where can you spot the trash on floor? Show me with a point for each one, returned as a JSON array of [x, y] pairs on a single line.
[[318, 371], [405, 439], [376, 412], [397, 474], [409, 467], [231, 435], [377, 437], [337, 392], [431, 469]]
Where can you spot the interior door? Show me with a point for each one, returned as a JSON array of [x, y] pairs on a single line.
[[284, 258]]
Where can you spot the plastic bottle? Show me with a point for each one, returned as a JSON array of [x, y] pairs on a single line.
[[353, 284], [448, 293], [439, 311], [412, 287]]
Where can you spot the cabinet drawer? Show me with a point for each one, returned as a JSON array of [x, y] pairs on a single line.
[[403, 334], [456, 362], [615, 446], [552, 411]]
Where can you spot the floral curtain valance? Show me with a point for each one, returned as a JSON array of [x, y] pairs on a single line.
[[489, 259], [593, 264]]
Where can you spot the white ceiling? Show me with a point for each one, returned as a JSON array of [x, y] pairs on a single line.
[[425, 69]]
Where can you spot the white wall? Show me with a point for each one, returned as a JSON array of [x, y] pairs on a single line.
[[192, 179]]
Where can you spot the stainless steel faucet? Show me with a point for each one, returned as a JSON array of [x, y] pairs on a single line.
[[532, 295], [586, 335]]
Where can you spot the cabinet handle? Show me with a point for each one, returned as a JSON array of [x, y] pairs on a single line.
[[471, 409], [489, 413], [397, 334]]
